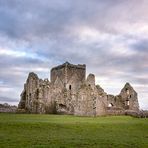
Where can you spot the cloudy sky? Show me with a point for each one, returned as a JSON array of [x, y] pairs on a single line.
[[109, 36]]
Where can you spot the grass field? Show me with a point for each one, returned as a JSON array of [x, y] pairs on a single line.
[[61, 131]]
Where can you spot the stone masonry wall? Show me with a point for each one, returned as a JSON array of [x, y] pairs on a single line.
[[69, 92]]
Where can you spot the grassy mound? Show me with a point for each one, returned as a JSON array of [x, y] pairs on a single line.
[[60, 131]]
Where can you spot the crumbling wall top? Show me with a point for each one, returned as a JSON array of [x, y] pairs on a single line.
[[67, 64], [32, 75], [127, 89]]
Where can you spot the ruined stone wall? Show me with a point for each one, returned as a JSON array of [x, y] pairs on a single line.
[[68, 75], [35, 97], [126, 100], [111, 101], [64, 102], [91, 99], [91, 80], [101, 101], [70, 93], [75, 76], [58, 73], [31, 91], [85, 101], [129, 97]]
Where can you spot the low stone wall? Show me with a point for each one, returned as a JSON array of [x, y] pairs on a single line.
[[5, 108], [139, 114], [144, 114], [114, 111], [119, 111], [21, 111]]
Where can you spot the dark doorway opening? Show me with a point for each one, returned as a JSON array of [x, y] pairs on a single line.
[[69, 87]]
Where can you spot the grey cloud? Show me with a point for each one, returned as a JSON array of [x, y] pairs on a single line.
[[38, 19], [49, 29], [7, 99], [141, 46]]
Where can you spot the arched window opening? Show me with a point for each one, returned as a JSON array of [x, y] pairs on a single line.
[[127, 102], [62, 106], [110, 105], [127, 91]]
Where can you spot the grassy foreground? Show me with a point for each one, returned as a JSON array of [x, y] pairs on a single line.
[[61, 131]]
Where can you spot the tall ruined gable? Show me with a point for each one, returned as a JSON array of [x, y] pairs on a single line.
[[129, 97], [126, 100]]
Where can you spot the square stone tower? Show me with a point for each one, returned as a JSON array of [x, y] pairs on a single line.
[[68, 76]]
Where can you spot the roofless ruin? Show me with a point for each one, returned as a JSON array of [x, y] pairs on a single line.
[[70, 92]]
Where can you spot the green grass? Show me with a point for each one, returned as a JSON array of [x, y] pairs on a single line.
[[61, 131]]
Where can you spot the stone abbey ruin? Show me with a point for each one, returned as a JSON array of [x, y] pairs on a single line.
[[70, 92]]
